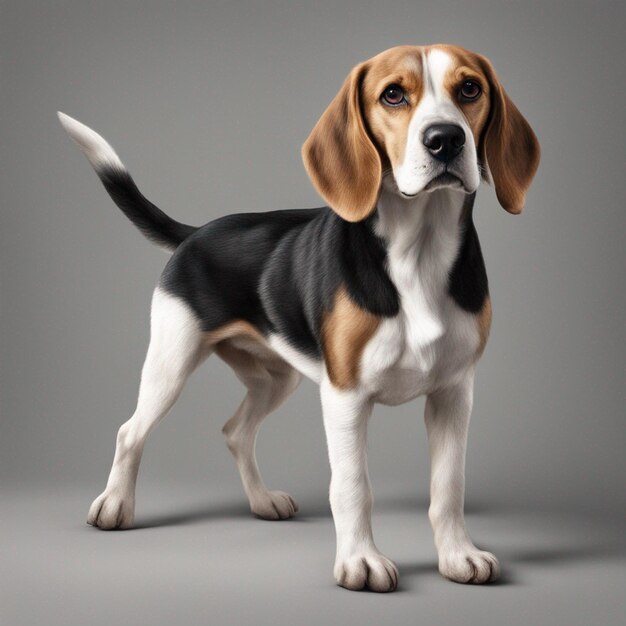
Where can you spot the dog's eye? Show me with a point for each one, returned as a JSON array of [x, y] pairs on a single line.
[[393, 96], [470, 90]]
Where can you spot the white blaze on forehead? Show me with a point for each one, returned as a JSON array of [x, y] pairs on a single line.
[[436, 65], [436, 101]]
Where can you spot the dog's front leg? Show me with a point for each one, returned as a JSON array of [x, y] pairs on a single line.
[[447, 419], [358, 562]]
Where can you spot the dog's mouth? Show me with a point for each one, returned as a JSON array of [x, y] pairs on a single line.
[[445, 179], [441, 181]]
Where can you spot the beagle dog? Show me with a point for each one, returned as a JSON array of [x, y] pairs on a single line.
[[379, 297]]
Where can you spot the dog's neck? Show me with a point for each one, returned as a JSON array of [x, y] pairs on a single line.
[[424, 231], [423, 237]]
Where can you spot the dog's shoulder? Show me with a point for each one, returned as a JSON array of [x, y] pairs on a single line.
[[314, 268]]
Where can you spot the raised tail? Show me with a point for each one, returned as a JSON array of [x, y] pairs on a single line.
[[149, 219]]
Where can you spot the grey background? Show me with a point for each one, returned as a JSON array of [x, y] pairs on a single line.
[[208, 104]]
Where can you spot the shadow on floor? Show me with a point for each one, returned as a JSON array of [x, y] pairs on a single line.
[[578, 547], [314, 508], [579, 551], [193, 516], [559, 555]]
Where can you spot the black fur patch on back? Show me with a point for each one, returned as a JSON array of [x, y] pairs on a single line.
[[280, 271]]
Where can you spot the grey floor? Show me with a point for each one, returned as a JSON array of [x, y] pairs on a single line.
[[198, 557]]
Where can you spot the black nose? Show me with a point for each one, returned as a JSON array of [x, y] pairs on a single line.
[[444, 141]]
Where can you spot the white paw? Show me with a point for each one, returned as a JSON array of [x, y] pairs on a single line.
[[367, 570], [274, 505], [469, 565], [112, 510]]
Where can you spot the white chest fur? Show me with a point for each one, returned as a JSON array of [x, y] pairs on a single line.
[[432, 340]]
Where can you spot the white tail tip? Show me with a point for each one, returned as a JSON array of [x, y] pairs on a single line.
[[92, 145]]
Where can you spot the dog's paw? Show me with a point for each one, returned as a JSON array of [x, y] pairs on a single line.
[[367, 570], [111, 511], [469, 565], [274, 505]]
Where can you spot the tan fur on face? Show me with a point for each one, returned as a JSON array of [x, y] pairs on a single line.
[[345, 331], [403, 66], [504, 138], [389, 125], [358, 138], [465, 66]]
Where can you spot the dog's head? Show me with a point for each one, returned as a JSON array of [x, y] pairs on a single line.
[[416, 119]]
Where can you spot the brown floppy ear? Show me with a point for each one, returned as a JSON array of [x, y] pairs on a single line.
[[510, 146], [339, 155]]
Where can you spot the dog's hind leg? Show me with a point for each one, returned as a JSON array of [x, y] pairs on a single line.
[[269, 381], [176, 348]]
